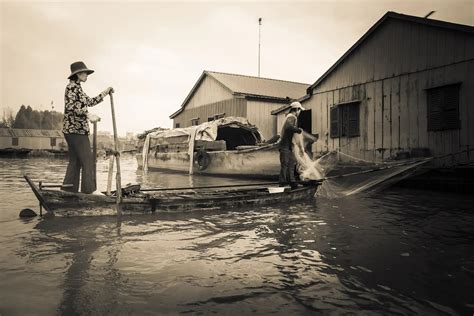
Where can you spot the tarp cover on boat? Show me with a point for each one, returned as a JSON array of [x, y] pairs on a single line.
[[208, 131]]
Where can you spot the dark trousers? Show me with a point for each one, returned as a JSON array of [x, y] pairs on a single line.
[[288, 167], [80, 157]]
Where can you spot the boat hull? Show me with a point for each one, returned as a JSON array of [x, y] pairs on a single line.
[[260, 162], [61, 203]]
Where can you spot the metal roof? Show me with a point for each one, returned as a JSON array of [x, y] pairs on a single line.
[[257, 86], [265, 89], [392, 15], [20, 132]]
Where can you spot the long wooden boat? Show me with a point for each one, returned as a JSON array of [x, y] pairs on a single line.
[[256, 162], [229, 146], [62, 203]]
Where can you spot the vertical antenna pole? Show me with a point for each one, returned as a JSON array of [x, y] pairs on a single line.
[[259, 25]]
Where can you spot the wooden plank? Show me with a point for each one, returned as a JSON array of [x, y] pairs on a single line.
[[404, 114], [466, 94], [422, 110], [315, 104], [436, 139], [432, 47], [332, 141], [468, 97], [395, 115], [387, 117], [363, 121], [378, 120], [355, 142], [413, 109], [344, 141], [452, 144], [370, 126], [466, 111], [324, 135], [457, 43], [469, 47]]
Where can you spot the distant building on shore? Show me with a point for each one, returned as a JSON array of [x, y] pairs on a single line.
[[217, 95], [32, 139]]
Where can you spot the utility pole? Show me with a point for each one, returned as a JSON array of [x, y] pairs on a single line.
[[259, 25], [51, 117]]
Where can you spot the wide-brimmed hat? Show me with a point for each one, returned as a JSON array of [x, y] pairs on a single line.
[[78, 67], [297, 105]]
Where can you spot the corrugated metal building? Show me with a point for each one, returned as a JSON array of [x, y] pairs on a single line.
[[405, 89], [218, 95], [32, 139]]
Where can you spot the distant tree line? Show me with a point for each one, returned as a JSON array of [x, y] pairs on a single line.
[[32, 119]]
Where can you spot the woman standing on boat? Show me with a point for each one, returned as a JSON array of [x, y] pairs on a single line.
[[76, 130]]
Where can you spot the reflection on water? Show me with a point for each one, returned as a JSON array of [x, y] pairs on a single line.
[[398, 252]]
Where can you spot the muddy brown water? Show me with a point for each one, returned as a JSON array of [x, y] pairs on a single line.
[[397, 252]]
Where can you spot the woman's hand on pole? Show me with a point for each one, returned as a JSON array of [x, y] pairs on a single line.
[[107, 91]]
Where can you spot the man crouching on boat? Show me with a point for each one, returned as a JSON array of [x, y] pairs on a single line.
[[76, 130], [287, 157]]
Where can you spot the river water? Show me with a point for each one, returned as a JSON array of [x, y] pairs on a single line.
[[398, 252]]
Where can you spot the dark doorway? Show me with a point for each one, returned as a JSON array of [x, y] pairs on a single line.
[[304, 121]]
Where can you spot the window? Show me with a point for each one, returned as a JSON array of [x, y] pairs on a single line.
[[215, 117], [443, 108], [218, 116], [14, 141], [52, 141], [176, 125], [345, 120], [195, 121]]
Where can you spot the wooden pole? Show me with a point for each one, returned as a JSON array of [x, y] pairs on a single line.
[[109, 178], [94, 152], [117, 156], [191, 149]]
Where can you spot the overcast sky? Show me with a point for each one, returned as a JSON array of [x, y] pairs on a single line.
[[153, 52]]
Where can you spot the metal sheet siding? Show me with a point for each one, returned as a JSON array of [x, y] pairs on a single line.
[[400, 47], [259, 113], [393, 117], [231, 107], [209, 91]]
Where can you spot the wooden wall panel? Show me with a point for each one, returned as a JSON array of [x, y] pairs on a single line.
[[469, 47], [352, 142], [422, 122], [465, 104], [386, 118], [317, 117], [395, 118], [344, 141], [437, 139], [209, 91], [412, 94], [468, 99], [232, 107], [324, 134], [370, 109], [399, 47], [404, 114], [332, 97], [259, 113], [378, 120]]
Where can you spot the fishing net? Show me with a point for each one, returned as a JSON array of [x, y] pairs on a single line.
[[346, 175]]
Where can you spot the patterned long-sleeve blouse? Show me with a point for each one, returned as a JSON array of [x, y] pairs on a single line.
[[76, 103]]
